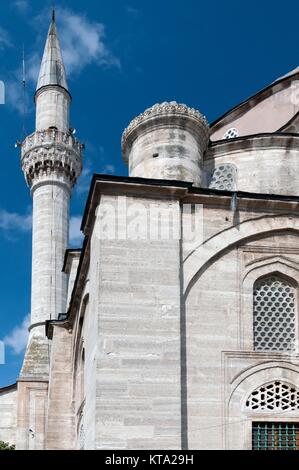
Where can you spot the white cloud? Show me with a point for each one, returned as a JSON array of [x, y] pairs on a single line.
[[11, 221], [83, 42], [21, 5], [4, 39], [134, 12], [33, 63], [84, 181], [14, 85], [17, 338], [14, 95], [109, 169], [76, 236]]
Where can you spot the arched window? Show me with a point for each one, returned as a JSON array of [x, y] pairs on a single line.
[[274, 314], [224, 177], [274, 396]]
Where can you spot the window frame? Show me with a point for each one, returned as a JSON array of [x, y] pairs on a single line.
[[271, 266], [273, 422], [290, 283], [234, 180]]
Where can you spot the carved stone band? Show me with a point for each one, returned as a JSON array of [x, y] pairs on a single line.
[[51, 154], [166, 113]]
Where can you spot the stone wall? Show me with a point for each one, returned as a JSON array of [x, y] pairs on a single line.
[[223, 368], [8, 414], [136, 298], [264, 164], [160, 353], [60, 430], [31, 414]]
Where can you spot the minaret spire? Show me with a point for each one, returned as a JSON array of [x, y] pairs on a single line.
[[52, 71], [52, 81]]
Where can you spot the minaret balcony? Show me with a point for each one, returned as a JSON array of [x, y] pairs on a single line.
[[51, 137], [51, 153]]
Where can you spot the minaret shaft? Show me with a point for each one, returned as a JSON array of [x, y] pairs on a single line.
[[49, 242], [52, 109], [51, 162]]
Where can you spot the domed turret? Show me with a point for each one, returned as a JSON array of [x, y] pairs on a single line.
[[167, 141]]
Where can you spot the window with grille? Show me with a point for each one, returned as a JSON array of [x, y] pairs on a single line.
[[275, 396], [231, 133], [275, 436], [274, 314], [224, 177]]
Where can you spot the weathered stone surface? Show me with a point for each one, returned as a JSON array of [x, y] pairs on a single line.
[[60, 415], [32, 401], [264, 164], [167, 141], [37, 357], [8, 414]]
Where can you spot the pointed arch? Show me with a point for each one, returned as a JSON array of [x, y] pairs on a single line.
[[205, 254], [265, 268], [239, 417]]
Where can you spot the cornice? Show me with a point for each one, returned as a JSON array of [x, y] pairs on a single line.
[[252, 142]]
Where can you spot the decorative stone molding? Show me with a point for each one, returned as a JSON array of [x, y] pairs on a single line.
[[201, 255], [259, 268], [168, 113], [245, 372], [51, 153]]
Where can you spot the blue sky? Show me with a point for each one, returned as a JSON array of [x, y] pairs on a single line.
[[121, 56]]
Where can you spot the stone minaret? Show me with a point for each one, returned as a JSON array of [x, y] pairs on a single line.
[[51, 162]]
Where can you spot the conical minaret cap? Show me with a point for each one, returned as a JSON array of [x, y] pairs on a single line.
[[52, 71]]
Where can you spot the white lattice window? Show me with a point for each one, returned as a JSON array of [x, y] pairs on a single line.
[[275, 396], [224, 177], [274, 314], [231, 133]]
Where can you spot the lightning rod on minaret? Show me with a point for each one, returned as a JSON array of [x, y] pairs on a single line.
[[23, 67], [24, 90]]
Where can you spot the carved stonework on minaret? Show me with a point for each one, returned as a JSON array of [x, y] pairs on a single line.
[[51, 153]]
